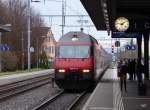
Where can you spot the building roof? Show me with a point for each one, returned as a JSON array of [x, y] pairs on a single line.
[[51, 35], [4, 28], [78, 37]]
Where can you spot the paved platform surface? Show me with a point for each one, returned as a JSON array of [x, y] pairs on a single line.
[[7, 79], [107, 95]]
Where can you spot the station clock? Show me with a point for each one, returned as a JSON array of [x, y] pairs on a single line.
[[121, 24]]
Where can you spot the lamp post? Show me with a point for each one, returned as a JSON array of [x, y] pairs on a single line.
[[22, 40], [0, 54], [29, 34], [37, 50]]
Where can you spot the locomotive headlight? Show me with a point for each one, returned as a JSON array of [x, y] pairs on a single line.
[[74, 39], [61, 70], [85, 70]]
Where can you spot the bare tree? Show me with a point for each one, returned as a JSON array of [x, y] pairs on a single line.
[[15, 13]]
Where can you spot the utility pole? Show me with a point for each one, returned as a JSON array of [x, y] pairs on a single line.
[[63, 17], [29, 57], [0, 53], [37, 48], [22, 40]]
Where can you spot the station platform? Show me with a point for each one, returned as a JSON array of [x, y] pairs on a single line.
[[8, 79], [108, 96]]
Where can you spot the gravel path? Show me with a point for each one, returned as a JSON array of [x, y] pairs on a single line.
[[28, 100]]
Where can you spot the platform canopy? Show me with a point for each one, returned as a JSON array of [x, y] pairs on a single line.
[[104, 12], [4, 28]]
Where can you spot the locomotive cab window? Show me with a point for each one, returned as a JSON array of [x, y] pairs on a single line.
[[74, 51]]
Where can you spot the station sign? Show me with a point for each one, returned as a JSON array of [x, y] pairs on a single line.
[[31, 49], [125, 35], [130, 47], [139, 25], [4, 47]]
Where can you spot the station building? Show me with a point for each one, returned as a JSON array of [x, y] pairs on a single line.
[[48, 46]]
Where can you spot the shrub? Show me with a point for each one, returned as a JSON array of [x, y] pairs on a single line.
[[9, 61], [44, 61]]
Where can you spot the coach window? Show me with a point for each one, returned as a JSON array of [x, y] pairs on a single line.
[[92, 50], [147, 26], [53, 49], [100, 63]]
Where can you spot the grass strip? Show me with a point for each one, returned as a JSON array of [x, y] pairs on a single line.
[[20, 71]]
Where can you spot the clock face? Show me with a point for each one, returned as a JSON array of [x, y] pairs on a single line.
[[122, 24]]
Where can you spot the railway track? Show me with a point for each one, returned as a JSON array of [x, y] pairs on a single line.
[[61, 101], [65, 101], [78, 102], [16, 88]]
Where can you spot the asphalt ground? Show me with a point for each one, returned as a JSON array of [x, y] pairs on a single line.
[[133, 100], [108, 96]]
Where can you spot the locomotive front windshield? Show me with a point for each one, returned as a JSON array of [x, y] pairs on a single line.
[[74, 51]]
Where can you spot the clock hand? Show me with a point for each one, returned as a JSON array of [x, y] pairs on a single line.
[[122, 23]]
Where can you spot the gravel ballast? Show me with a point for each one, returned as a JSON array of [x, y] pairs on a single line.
[[29, 99]]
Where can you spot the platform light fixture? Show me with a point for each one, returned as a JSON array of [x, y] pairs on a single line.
[[104, 5], [107, 23], [107, 19], [105, 13], [105, 10]]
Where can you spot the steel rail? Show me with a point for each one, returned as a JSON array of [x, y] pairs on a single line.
[[76, 102], [22, 86], [54, 98], [48, 101], [21, 83]]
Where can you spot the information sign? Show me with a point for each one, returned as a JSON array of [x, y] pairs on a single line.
[[125, 35], [130, 47]]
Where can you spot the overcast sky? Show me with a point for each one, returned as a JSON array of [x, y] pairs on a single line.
[[73, 7]]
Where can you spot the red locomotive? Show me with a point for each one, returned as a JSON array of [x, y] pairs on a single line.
[[79, 61]]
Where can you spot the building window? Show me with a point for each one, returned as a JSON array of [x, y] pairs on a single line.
[[49, 39], [52, 49], [44, 48], [49, 49]]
